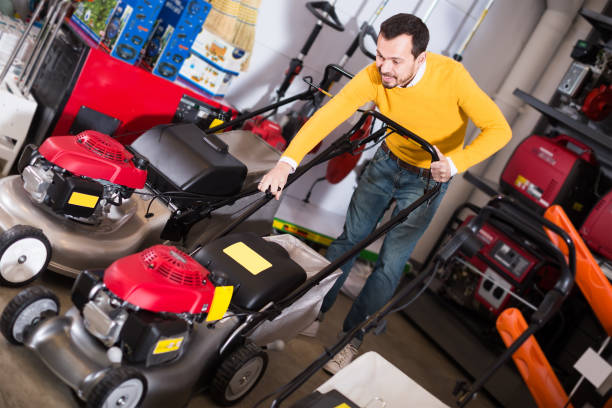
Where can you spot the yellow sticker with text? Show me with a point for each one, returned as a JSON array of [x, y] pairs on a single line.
[[83, 200], [220, 302], [168, 345], [249, 259]]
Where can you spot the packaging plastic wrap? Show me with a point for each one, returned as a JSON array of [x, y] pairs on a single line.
[[303, 312]]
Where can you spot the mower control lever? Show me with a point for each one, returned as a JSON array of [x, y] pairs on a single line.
[[325, 12]]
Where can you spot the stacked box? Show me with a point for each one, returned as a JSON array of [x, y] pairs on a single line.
[[129, 28], [206, 76], [175, 30], [219, 52], [93, 17]]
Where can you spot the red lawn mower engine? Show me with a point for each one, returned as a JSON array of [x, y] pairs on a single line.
[[145, 303], [544, 171], [81, 176]]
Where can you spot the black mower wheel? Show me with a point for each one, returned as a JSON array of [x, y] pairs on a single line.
[[25, 253], [123, 387], [238, 374], [26, 310]]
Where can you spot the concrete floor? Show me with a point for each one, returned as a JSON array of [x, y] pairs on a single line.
[[25, 382]]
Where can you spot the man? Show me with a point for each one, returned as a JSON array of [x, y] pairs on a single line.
[[429, 94]]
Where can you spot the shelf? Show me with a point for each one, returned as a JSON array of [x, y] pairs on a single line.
[[557, 116]]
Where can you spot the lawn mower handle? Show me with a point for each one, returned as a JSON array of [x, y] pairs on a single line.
[[307, 94]]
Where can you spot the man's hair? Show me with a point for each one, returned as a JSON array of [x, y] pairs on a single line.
[[409, 24]]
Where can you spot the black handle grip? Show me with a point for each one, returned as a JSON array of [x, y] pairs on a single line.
[[367, 31], [317, 8], [295, 66]]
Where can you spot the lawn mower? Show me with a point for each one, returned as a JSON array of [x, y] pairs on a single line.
[[467, 241], [115, 200], [83, 201], [156, 326]]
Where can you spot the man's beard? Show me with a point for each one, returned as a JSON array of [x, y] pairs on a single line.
[[397, 81]]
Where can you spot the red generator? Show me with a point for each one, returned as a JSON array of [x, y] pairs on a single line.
[[560, 170], [506, 266], [596, 228], [81, 87]]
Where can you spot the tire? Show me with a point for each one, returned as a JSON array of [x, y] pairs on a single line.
[[26, 310], [123, 387], [25, 253], [238, 374]]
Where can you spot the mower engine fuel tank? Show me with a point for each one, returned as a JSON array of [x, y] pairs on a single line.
[[184, 158]]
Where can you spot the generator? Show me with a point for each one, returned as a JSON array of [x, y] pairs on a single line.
[[504, 264], [552, 170], [596, 228]]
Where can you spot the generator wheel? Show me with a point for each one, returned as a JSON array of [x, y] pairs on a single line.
[[238, 373], [25, 252], [26, 310], [123, 387]]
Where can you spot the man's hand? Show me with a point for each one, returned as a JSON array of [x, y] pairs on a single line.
[[440, 170], [276, 179]]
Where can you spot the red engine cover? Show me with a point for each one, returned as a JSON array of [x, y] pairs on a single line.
[[161, 279], [95, 155], [596, 228]]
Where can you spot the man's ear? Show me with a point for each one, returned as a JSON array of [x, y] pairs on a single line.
[[420, 59]]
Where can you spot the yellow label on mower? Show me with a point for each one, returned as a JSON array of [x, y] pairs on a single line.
[[168, 345], [216, 122], [220, 302], [249, 259], [343, 405], [83, 200]]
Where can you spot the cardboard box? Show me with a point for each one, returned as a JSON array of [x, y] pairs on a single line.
[[206, 76], [175, 30], [93, 17], [219, 52], [129, 28]]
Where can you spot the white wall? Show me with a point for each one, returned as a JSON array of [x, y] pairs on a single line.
[[284, 25]]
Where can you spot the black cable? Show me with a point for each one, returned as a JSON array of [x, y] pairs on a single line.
[[420, 292]]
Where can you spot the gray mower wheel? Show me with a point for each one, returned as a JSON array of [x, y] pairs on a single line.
[[123, 387], [238, 374], [25, 253], [26, 310]]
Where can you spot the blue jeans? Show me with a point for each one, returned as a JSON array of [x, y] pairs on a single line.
[[382, 181]]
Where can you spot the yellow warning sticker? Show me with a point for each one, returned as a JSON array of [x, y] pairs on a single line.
[[83, 200], [168, 345], [520, 181], [215, 122], [220, 302], [249, 259], [343, 405]]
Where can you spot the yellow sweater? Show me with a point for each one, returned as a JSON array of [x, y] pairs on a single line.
[[436, 108]]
